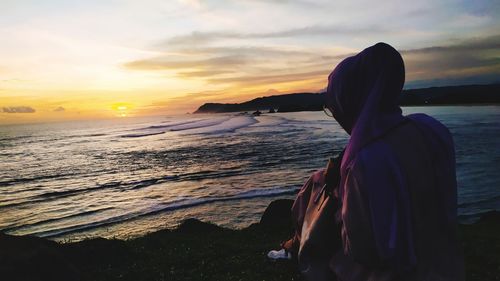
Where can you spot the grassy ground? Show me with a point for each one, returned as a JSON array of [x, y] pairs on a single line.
[[481, 243], [197, 251]]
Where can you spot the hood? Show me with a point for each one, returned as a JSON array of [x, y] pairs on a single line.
[[367, 84]]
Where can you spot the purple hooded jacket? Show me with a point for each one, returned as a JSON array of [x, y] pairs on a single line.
[[398, 185]]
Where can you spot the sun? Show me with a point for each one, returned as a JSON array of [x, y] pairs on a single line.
[[121, 109]]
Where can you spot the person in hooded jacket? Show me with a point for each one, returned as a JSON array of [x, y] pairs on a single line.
[[397, 192]]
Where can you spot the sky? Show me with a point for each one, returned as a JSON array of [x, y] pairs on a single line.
[[65, 60]]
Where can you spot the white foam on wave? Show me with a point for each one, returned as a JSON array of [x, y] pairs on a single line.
[[216, 125], [268, 121], [200, 124], [171, 124], [229, 125], [175, 126]]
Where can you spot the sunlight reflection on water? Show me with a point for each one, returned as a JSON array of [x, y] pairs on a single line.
[[134, 175]]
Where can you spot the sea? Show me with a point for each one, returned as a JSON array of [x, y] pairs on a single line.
[[125, 177]]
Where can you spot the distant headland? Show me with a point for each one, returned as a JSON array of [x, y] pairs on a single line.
[[450, 95]]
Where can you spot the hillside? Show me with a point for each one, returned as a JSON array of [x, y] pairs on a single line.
[[468, 94]]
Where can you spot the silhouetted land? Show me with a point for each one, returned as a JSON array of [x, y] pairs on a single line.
[[202, 251], [453, 95]]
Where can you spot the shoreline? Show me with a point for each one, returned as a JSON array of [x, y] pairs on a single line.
[[197, 250]]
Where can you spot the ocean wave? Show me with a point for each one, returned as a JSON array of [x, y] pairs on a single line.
[[15, 138], [218, 125], [17, 192], [209, 174], [270, 121], [493, 199], [175, 126], [122, 185], [473, 216], [199, 124], [51, 195], [139, 135], [227, 126], [95, 135], [30, 179], [192, 202], [82, 214], [89, 135], [182, 203]]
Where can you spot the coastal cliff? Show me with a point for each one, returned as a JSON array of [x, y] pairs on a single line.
[[202, 251]]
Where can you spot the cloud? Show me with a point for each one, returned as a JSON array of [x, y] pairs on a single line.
[[245, 64], [467, 60], [202, 38], [274, 78], [203, 73], [18, 109], [59, 109], [242, 65], [176, 63], [478, 43]]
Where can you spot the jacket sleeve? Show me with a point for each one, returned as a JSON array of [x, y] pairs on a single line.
[[376, 219]]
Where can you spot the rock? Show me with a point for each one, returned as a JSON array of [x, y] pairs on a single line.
[[197, 226], [31, 258], [278, 213], [97, 251]]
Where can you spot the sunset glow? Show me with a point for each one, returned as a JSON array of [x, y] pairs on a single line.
[[66, 60]]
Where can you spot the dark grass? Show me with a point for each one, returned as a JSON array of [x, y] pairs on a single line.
[[203, 252], [481, 243]]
